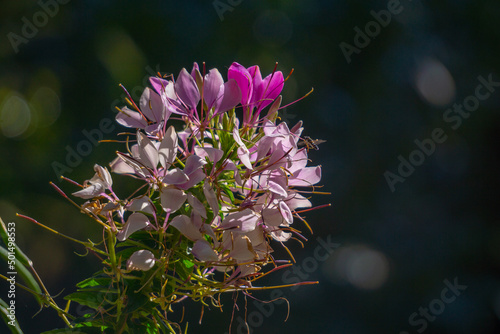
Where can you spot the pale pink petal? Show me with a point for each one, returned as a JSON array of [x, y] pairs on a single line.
[[147, 151], [203, 251], [186, 227], [211, 197], [142, 203], [130, 118], [172, 199], [305, 177], [168, 147], [137, 221], [186, 88], [175, 176], [286, 212], [243, 221], [193, 162], [197, 206], [272, 217]]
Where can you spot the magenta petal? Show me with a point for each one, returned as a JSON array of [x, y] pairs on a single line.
[[203, 251], [244, 80], [231, 97], [270, 89], [186, 88], [136, 221], [211, 87], [172, 199], [158, 84]]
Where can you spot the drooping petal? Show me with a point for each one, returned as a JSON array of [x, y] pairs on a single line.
[[211, 197], [296, 200], [197, 206], [131, 119], [203, 251], [142, 203], [305, 177], [184, 224], [141, 260], [213, 154], [242, 151], [91, 191], [193, 163], [194, 178], [119, 166], [186, 88], [137, 221], [172, 199]]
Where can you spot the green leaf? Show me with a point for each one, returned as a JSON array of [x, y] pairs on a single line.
[[88, 330], [227, 191], [95, 281], [16, 329], [91, 298], [4, 233], [24, 273]]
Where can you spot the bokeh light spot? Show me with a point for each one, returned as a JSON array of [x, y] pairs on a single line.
[[15, 116]]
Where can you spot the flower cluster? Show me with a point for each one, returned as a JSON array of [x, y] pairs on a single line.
[[217, 194]]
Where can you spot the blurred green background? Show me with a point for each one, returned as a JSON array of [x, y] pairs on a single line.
[[397, 248]]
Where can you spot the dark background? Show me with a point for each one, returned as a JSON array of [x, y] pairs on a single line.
[[397, 248]]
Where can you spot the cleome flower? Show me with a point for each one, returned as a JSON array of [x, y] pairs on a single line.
[[215, 195]]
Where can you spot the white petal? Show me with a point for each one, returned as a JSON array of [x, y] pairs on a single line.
[[141, 260]]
